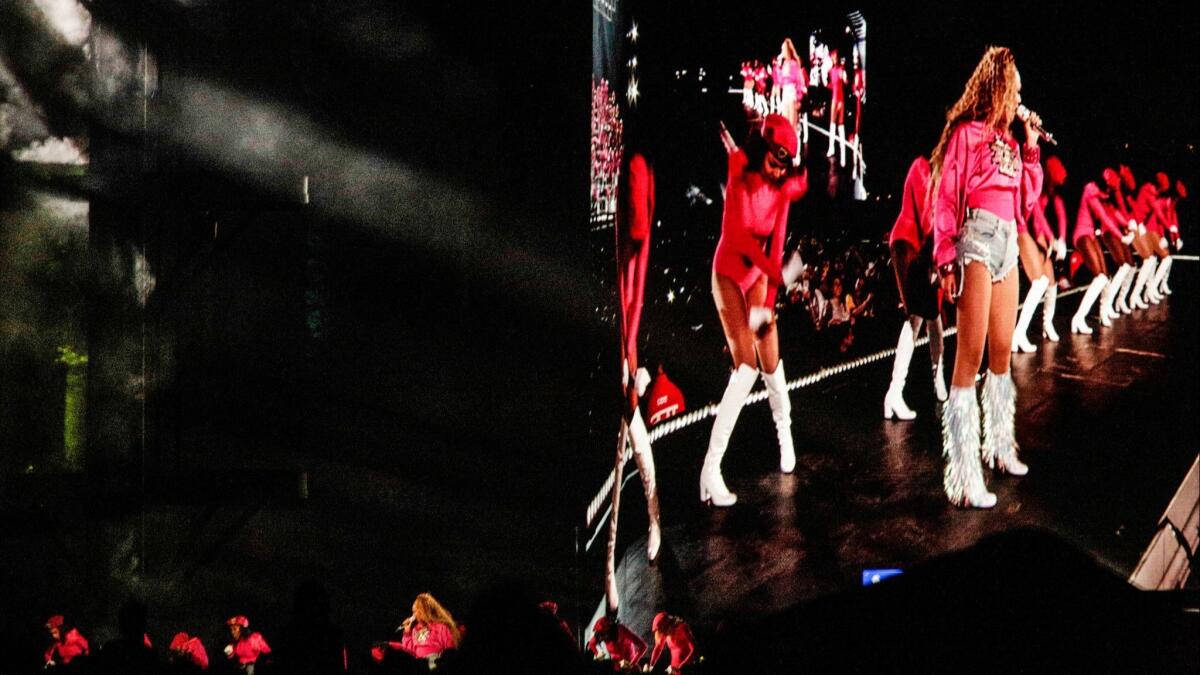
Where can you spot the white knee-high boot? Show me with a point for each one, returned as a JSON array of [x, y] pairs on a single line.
[[1123, 292], [781, 411], [999, 425], [712, 483], [933, 329], [962, 477], [832, 136], [893, 402], [1164, 271], [1150, 292], [842, 145], [1078, 322], [1050, 302], [644, 454], [1020, 339], [1108, 295], [1144, 274]]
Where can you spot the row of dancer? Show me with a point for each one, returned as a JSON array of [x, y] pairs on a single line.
[[1147, 225], [1144, 222]]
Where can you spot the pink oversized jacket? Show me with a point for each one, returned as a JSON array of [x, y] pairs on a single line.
[[983, 169]]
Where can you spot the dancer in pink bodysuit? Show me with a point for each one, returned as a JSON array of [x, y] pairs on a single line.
[[1093, 221], [747, 273], [1168, 200], [1143, 208], [1037, 244], [911, 244], [983, 184], [837, 105]]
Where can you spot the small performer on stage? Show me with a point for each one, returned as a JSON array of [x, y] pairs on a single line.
[[1169, 201], [1036, 249], [430, 629], [1118, 243], [673, 633], [624, 647], [635, 217], [1143, 208], [983, 183], [911, 243], [1095, 220], [66, 643], [860, 97], [247, 648], [785, 74], [187, 653], [747, 272], [837, 105]]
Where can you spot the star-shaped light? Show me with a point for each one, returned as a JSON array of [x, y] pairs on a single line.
[[671, 295], [633, 33], [632, 93]]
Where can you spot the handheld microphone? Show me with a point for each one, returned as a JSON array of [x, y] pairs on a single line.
[[1023, 115]]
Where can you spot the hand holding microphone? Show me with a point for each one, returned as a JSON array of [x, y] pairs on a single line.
[[1033, 122]]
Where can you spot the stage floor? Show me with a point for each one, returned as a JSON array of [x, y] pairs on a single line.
[[1106, 422]]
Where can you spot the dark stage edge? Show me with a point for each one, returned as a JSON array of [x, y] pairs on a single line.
[[1106, 422]]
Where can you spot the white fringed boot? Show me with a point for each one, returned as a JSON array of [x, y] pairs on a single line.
[[963, 476], [999, 425]]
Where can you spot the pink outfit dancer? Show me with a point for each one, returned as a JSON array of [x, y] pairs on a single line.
[[1144, 208], [837, 105], [1037, 241], [985, 184], [622, 644], [747, 271], [911, 244]]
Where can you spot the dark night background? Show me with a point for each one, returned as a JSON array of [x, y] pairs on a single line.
[[451, 398]]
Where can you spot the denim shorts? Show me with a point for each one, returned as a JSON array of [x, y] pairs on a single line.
[[987, 239]]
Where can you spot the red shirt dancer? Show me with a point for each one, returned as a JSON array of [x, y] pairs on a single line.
[[621, 644], [911, 244], [1095, 220], [674, 634], [984, 185], [747, 270], [187, 649], [1144, 209], [1036, 243], [247, 648], [633, 227], [837, 105], [67, 642]]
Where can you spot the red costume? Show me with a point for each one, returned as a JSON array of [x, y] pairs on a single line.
[[625, 645], [68, 647], [1093, 209], [913, 224], [837, 89], [633, 250], [191, 649], [983, 169], [678, 640], [755, 216]]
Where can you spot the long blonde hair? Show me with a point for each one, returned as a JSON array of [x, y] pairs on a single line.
[[990, 95], [428, 610], [788, 50]]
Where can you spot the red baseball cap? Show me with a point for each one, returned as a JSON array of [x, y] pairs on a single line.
[[777, 131], [55, 621]]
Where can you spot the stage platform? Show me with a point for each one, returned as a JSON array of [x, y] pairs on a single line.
[[1106, 422]]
